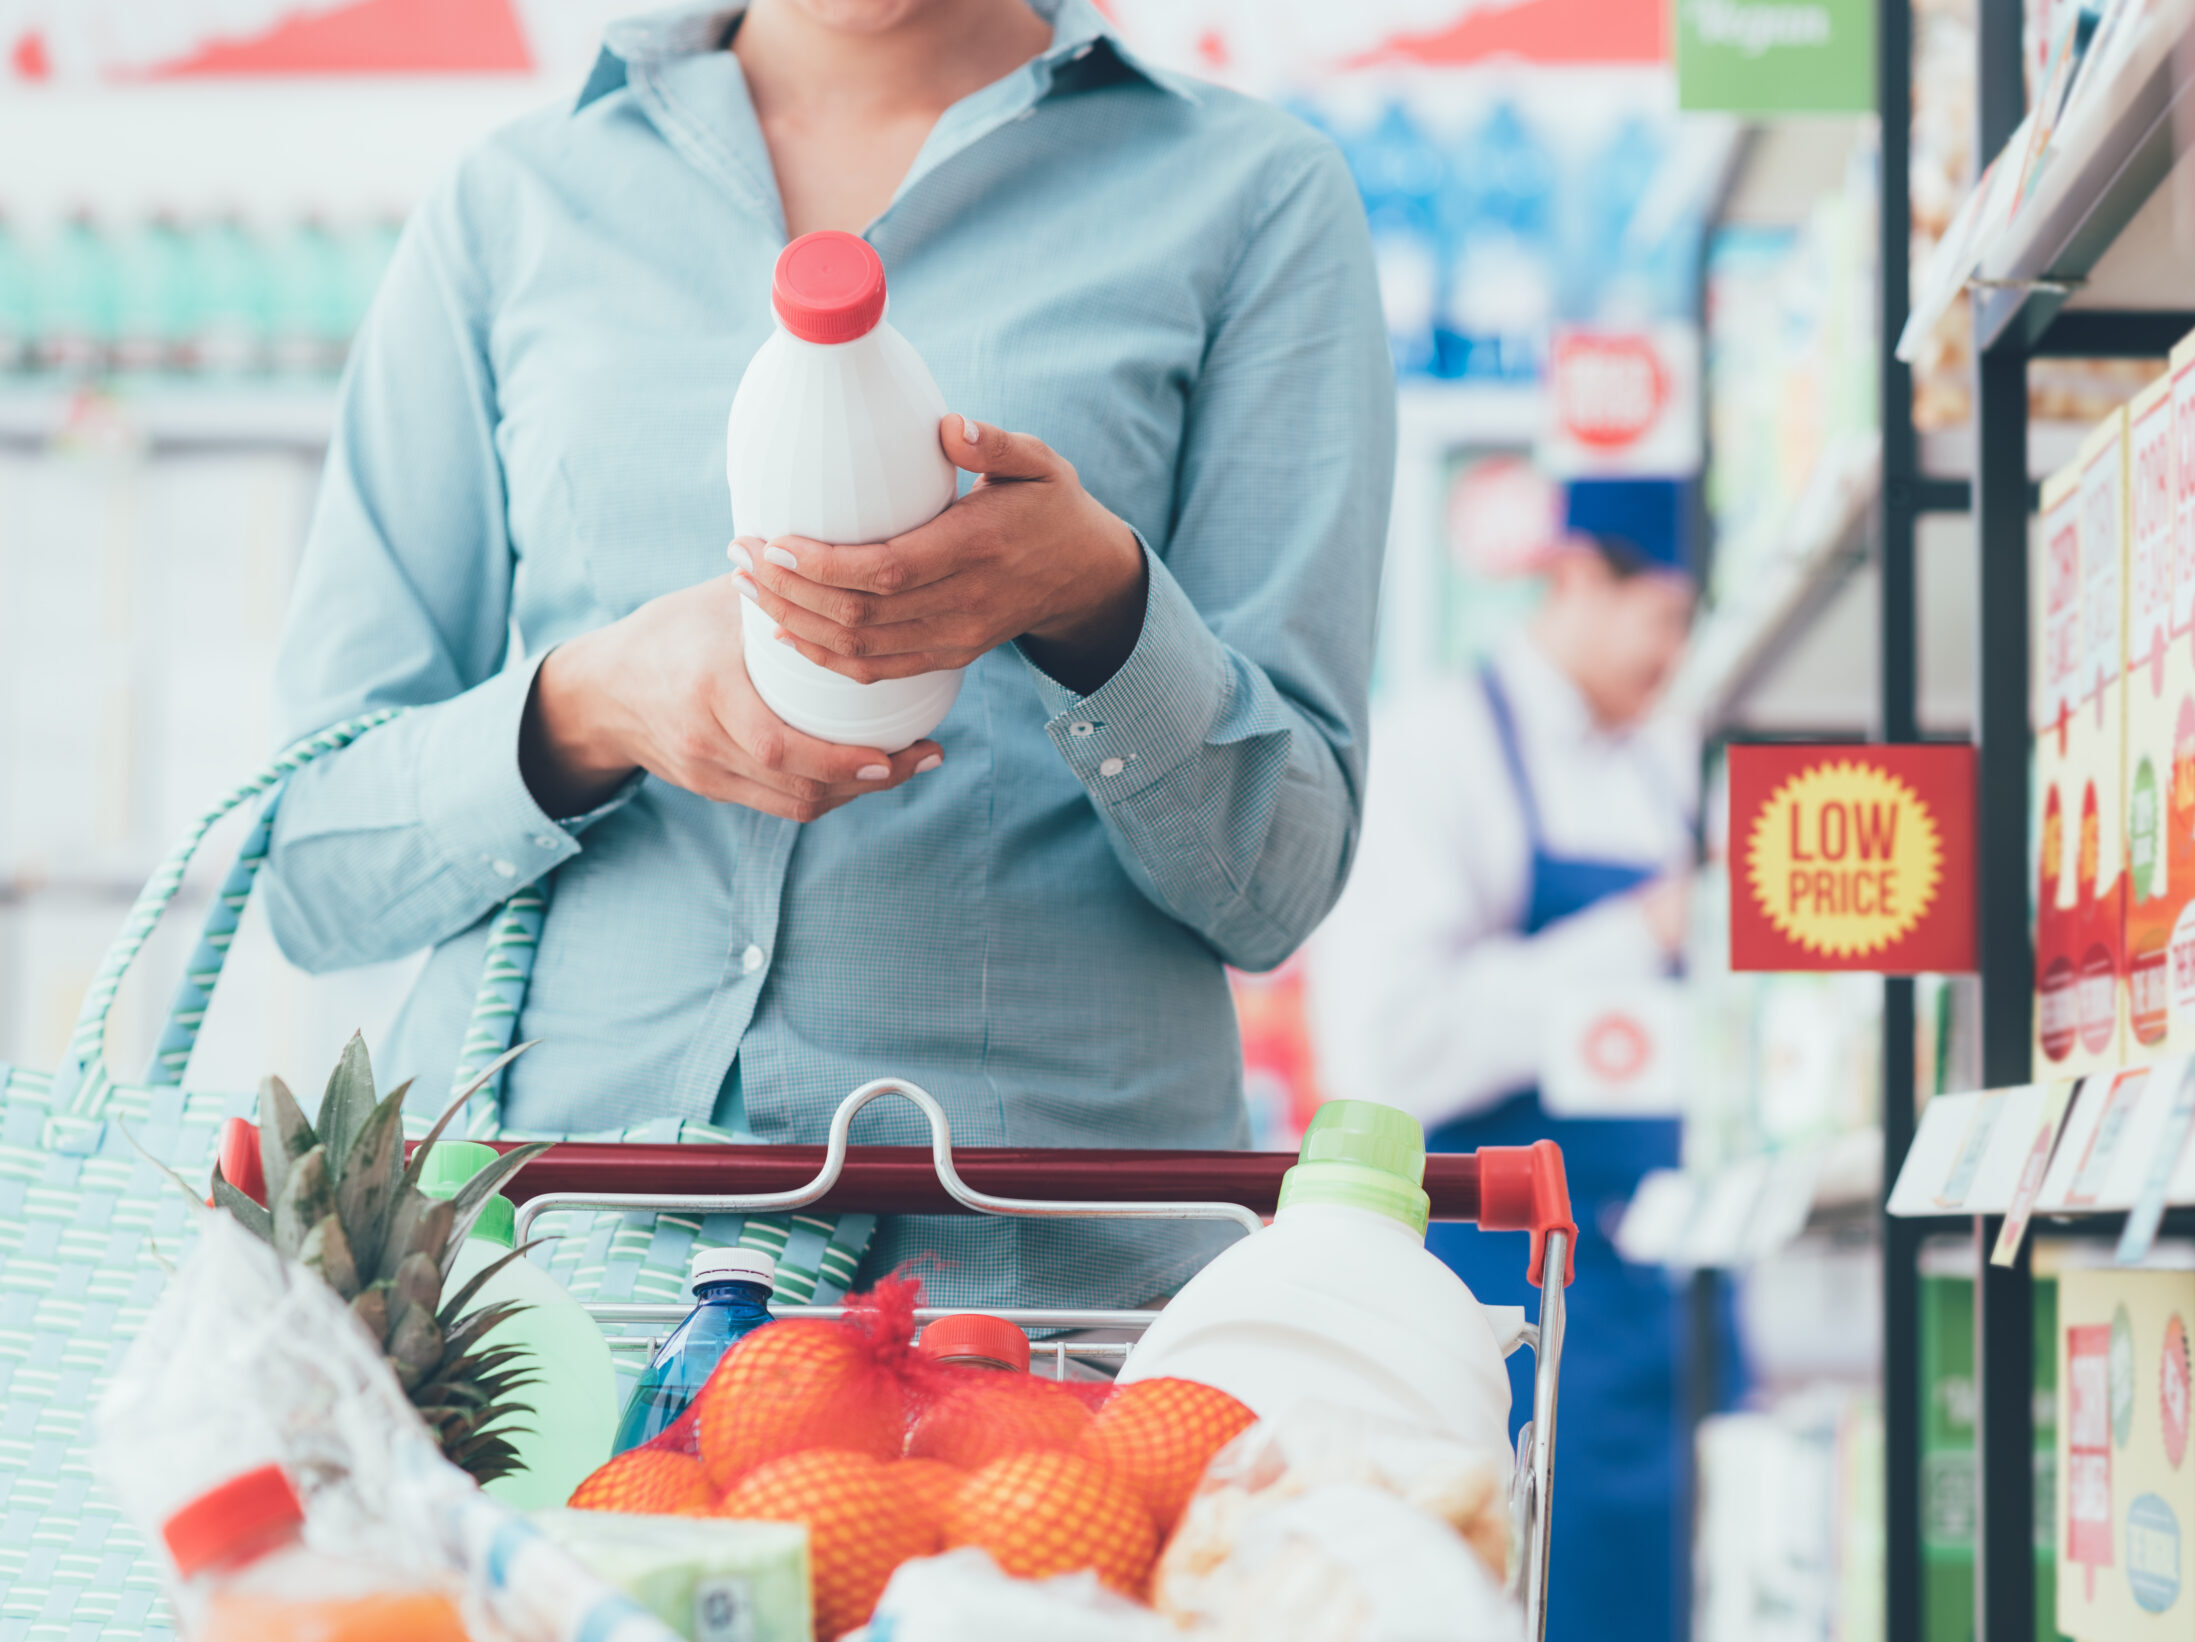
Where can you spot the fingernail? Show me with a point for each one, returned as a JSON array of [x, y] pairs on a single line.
[[785, 639], [929, 764], [746, 587], [971, 431], [872, 772], [779, 557], [740, 557]]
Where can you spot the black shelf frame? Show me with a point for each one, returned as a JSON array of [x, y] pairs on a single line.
[[2015, 322]]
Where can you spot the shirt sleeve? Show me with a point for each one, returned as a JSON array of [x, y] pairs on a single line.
[[1422, 993], [1226, 755], [415, 831]]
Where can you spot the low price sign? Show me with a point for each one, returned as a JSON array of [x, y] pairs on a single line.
[[1852, 857]]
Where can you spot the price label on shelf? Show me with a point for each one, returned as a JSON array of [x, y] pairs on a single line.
[[2142, 1221], [2057, 1101]]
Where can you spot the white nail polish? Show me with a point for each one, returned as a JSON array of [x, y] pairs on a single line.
[[785, 639], [746, 587], [929, 764], [739, 556], [969, 431], [872, 772], [782, 559]]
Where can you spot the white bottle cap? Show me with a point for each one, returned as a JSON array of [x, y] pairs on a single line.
[[733, 1266]]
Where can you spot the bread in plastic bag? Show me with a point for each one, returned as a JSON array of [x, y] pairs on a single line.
[[1332, 1524]]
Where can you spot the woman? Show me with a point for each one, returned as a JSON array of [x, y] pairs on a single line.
[[1152, 308]]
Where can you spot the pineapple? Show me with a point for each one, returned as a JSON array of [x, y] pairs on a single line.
[[342, 1200]]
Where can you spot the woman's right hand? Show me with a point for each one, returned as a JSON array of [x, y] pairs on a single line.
[[665, 690]]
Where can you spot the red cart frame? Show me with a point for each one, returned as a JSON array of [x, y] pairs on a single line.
[[1499, 1188]]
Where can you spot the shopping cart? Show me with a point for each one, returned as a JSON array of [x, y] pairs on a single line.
[[1501, 1188]]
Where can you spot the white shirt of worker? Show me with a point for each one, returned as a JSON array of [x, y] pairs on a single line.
[[1423, 994]]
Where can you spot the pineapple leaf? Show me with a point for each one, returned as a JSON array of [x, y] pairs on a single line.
[[471, 1199], [284, 1135], [422, 1227], [308, 1197], [367, 1180], [418, 1163], [415, 1343], [371, 1308], [469, 1329], [255, 1217], [180, 1183], [327, 1251], [347, 1105], [418, 1283]]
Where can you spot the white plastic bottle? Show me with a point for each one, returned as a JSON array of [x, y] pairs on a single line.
[[574, 1400], [1339, 1301], [834, 436]]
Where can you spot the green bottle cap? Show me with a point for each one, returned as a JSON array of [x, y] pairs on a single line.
[[1362, 1155], [449, 1166]]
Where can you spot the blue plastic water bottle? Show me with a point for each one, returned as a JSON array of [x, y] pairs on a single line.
[[732, 1287]]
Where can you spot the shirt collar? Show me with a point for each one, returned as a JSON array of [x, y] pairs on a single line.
[[689, 30]]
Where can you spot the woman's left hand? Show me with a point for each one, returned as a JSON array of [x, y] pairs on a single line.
[[1027, 554]]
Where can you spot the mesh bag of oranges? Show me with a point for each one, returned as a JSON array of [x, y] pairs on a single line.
[[887, 1453]]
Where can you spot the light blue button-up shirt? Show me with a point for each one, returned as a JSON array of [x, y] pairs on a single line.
[[1170, 284]]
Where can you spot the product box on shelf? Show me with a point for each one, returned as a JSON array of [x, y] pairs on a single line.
[[2125, 1483], [2080, 753], [2160, 746]]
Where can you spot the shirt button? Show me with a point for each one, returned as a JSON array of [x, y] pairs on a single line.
[[1081, 726], [503, 869], [1082, 51], [542, 841], [750, 960], [1112, 766]]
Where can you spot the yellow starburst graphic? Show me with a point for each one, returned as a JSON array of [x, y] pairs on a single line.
[[1844, 859]]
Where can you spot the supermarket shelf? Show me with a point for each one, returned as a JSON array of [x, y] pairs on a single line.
[[1971, 1150], [168, 416], [2116, 147], [1746, 1211], [1825, 537]]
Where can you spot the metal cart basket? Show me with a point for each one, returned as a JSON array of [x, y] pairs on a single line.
[[1500, 1188]]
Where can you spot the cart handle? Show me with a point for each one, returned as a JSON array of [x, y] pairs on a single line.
[[1523, 1188], [834, 1165]]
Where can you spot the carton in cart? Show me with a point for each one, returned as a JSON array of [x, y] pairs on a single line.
[[2080, 921], [2126, 1482], [2160, 745]]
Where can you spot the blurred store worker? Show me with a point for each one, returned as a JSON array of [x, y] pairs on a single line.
[[1152, 307], [1528, 837]]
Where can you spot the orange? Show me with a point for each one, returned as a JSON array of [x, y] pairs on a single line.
[[1047, 1513], [934, 1483], [988, 1415], [863, 1521], [794, 1385], [1160, 1435], [654, 1481]]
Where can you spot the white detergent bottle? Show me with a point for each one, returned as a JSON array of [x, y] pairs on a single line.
[[1339, 1301], [574, 1398], [834, 436]]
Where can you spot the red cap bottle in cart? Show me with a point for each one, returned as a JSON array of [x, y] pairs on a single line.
[[1339, 1301], [247, 1575], [834, 436]]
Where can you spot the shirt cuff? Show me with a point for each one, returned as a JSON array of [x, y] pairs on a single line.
[[1157, 711], [473, 801]]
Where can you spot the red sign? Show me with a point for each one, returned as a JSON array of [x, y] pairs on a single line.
[[1622, 401], [1852, 857]]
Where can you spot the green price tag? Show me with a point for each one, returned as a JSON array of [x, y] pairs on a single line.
[[1776, 56]]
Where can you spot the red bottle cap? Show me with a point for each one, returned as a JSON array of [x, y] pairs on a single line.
[[972, 1334], [234, 1522], [829, 287]]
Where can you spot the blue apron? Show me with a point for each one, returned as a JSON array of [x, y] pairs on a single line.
[[1621, 1517]]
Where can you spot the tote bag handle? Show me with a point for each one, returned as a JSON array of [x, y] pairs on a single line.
[[83, 1082]]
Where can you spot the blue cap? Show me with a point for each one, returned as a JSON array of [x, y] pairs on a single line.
[[1650, 517]]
